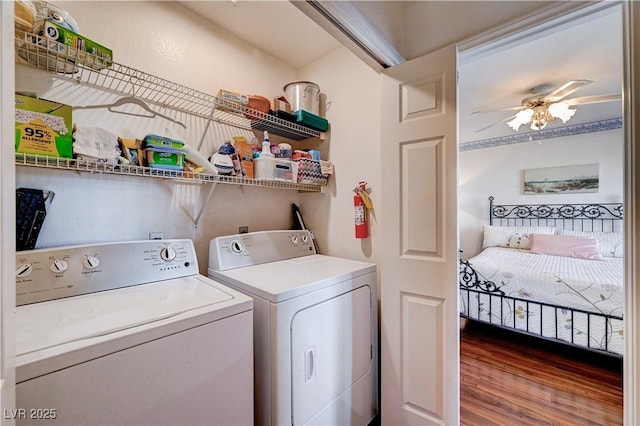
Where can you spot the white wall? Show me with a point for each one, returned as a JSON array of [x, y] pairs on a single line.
[[353, 90], [169, 41], [498, 171]]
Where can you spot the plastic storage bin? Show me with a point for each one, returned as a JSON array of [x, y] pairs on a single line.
[[271, 168], [311, 120]]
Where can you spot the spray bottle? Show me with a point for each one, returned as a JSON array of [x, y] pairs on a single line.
[[266, 146]]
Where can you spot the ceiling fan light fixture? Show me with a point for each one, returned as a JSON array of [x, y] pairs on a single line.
[[542, 114], [545, 106], [539, 123], [523, 117], [561, 110]]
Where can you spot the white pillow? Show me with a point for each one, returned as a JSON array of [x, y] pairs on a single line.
[[611, 243], [513, 236]]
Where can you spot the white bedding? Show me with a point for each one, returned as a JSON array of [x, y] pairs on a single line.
[[589, 285]]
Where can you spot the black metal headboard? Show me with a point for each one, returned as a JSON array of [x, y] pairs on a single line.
[[605, 217]]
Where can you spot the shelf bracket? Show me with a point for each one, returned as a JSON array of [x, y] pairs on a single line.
[[204, 204], [206, 126]]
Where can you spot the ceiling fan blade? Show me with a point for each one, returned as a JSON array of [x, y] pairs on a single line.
[[565, 90], [496, 123], [518, 108], [594, 99]]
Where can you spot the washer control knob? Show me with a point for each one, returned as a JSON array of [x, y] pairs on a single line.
[[58, 266], [295, 239], [304, 238], [168, 253], [91, 262], [237, 246], [24, 270]]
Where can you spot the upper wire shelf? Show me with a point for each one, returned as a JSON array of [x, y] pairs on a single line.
[[82, 67]]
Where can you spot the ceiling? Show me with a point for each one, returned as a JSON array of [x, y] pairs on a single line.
[[590, 49], [275, 27]]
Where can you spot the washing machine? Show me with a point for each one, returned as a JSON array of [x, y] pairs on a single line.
[[129, 333], [315, 327]]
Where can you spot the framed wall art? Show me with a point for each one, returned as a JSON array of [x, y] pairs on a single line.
[[561, 179]]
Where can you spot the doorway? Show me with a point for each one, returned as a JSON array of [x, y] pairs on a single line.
[[492, 160]]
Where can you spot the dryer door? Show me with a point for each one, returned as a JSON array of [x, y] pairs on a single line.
[[332, 360]]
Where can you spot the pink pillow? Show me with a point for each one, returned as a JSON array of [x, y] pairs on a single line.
[[566, 245]]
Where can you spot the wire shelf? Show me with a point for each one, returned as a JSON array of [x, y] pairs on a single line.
[[82, 67], [42, 161]]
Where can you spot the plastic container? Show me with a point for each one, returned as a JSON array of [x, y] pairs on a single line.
[[311, 120], [270, 168], [161, 159], [162, 143]]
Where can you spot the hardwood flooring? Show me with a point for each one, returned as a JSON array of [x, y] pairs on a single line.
[[510, 379]]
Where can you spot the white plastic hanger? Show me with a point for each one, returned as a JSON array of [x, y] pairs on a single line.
[[135, 101]]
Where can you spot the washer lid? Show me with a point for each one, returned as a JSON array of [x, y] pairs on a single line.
[[49, 329], [285, 279]]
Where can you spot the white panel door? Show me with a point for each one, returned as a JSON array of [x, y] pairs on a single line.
[[419, 311]]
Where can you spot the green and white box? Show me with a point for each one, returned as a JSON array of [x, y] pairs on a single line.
[[100, 57], [43, 127]]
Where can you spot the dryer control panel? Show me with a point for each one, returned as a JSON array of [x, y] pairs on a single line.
[[54, 273], [255, 248]]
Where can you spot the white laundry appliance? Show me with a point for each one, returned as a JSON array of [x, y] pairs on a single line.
[[129, 334], [315, 327]]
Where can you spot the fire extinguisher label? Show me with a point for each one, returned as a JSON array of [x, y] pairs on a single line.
[[359, 214]]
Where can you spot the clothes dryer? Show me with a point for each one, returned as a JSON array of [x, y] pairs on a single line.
[[315, 327]]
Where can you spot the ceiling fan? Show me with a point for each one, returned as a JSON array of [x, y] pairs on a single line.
[[546, 105]]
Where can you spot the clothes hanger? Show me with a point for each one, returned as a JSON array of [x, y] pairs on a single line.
[[135, 101]]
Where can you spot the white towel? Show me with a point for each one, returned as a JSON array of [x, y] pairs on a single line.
[[95, 142]]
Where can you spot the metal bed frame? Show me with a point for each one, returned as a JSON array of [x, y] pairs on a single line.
[[606, 217]]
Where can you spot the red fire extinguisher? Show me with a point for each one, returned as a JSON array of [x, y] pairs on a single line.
[[361, 203]]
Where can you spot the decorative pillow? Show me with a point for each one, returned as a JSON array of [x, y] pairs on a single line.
[[566, 245], [611, 243], [512, 236]]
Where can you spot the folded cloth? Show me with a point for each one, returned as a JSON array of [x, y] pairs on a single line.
[[326, 168], [95, 142]]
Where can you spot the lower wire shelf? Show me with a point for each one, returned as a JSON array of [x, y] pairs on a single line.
[[41, 161]]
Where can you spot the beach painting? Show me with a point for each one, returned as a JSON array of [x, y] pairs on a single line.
[[561, 180]]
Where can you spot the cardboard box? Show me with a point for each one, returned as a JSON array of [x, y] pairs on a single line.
[[43, 127], [280, 103], [103, 56], [132, 150], [237, 100]]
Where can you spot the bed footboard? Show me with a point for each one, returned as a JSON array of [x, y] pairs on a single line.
[[470, 280], [483, 300]]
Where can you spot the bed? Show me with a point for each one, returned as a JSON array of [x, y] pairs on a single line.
[[554, 271]]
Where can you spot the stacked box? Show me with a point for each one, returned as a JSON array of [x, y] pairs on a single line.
[[163, 153], [102, 56], [43, 127]]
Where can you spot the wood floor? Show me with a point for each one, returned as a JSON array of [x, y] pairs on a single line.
[[508, 379]]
